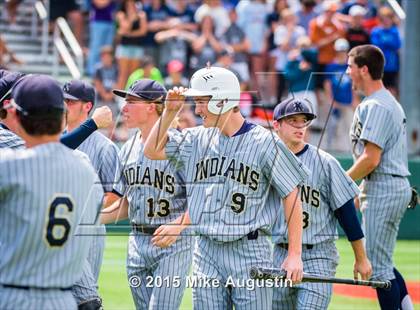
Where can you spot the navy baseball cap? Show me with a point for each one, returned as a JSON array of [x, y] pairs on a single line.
[[144, 89], [293, 106], [6, 84], [38, 95], [79, 90]]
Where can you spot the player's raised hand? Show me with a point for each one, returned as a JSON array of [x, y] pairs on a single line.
[[166, 235], [293, 266], [175, 99], [102, 117], [362, 267]]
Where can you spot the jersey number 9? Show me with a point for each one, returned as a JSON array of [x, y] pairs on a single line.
[[238, 202]]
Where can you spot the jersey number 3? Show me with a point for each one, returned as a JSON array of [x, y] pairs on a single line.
[[55, 236], [305, 219]]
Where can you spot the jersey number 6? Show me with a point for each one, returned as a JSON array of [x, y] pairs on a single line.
[[56, 237]]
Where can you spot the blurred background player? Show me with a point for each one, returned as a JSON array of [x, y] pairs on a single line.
[[378, 136], [339, 93], [79, 98], [327, 198], [153, 198], [101, 118], [54, 191], [230, 165]]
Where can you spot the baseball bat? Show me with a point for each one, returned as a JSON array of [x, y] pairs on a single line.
[[264, 273]]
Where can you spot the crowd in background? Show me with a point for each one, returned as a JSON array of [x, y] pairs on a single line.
[[277, 48]]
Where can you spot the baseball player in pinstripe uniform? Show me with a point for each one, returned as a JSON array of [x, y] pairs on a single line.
[[153, 198], [327, 198], [379, 140], [101, 118], [8, 138], [45, 192], [79, 97], [231, 167]]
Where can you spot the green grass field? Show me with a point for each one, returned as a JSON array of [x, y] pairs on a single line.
[[114, 289]]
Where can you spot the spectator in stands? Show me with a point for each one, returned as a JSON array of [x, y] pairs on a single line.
[[274, 20], [102, 30], [225, 60], [218, 13], [387, 37], [235, 38], [206, 46], [252, 16], [132, 27], [370, 18], [11, 7], [7, 56], [323, 31], [183, 16], [105, 80], [301, 63], [69, 10], [147, 71], [175, 69], [285, 39], [338, 91], [306, 13], [355, 33], [174, 44], [158, 16]]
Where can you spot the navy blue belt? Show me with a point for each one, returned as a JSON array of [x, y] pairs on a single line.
[[24, 287], [145, 229], [393, 175], [304, 246]]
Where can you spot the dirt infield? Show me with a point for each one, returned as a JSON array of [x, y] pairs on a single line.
[[369, 293]]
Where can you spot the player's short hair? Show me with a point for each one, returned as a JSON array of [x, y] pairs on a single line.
[[39, 103], [159, 106], [370, 56], [36, 126]]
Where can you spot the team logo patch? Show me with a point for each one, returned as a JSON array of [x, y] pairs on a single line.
[[297, 106]]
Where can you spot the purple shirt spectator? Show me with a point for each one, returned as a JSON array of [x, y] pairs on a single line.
[[102, 30]]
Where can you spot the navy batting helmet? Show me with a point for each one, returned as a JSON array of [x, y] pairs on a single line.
[[293, 106]]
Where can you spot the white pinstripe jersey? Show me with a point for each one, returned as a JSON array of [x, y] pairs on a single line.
[[228, 178], [9, 139], [381, 120], [45, 192], [325, 190], [103, 154], [154, 190]]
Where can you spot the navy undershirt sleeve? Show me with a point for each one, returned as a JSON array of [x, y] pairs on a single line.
[[348, 220], [77, 136]]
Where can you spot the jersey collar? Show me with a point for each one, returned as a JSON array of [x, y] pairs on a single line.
[[305, 148], [246, 126], [4, 126]]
